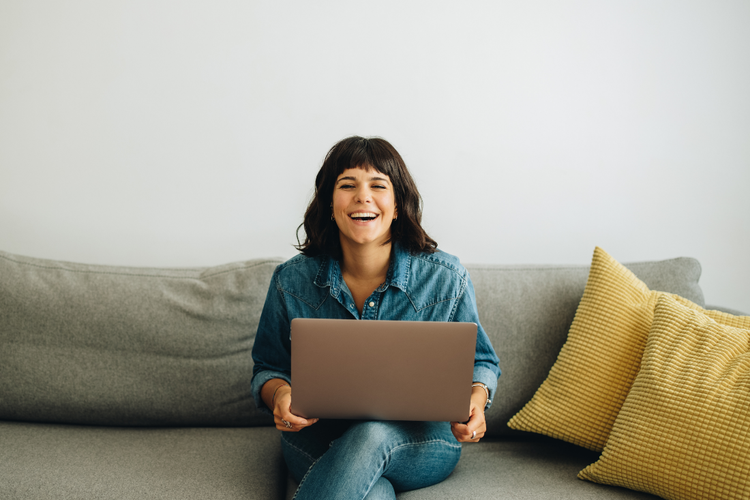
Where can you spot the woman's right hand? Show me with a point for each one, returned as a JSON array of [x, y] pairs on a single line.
[[284, 419]]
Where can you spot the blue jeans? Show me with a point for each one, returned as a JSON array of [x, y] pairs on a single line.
[[344, 459]]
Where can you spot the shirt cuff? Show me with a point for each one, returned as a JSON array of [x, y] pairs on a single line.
[[259, 381], [487, 377]]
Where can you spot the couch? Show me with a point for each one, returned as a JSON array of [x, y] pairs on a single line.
[[125, 382]]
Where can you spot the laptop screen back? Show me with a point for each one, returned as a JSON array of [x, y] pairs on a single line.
[[382, 370]]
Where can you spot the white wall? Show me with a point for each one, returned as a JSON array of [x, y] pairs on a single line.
[[180, 133]]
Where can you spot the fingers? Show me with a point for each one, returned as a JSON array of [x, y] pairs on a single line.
[[472, 431], [285, 425], [284, 419], [464, 434], [290, 422]]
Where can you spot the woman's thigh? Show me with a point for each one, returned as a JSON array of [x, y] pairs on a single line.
[[414, 454], [302, 449], [409, 454]]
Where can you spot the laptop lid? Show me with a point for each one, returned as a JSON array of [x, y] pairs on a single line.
[[382, 370]]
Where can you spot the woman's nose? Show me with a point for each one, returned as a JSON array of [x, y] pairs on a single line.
[[363, 195]]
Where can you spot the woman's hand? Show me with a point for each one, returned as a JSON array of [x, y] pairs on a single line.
[[279, 394], [284, 419], [473, 430]]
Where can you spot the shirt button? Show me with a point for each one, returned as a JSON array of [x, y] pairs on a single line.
[[371, 304]]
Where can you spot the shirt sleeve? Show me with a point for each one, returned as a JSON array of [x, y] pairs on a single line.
[[272, 348], [486, 362]]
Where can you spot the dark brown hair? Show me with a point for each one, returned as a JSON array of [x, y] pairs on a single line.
[[322, 233]]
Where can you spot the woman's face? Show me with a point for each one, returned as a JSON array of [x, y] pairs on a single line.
[[364, 206]]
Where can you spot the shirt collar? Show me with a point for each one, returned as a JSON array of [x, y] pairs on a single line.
[[329, 272]]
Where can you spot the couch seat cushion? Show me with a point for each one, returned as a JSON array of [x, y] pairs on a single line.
[[47, 461], [519, 470]]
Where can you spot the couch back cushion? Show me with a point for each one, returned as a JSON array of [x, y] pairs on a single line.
[[527, 312], [106, 345]]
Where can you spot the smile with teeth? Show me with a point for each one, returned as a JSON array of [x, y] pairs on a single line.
[[363, 216]]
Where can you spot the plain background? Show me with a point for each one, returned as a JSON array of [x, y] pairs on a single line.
[[188, 133]]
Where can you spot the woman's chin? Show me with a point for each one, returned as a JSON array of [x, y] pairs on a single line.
[[360, 241]]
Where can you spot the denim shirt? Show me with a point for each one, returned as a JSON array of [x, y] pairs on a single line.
[[422, 287]]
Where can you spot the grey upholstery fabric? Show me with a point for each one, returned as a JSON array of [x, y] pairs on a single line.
[[61, 462], [522, 470], [107, 345], [531, 469], [527, 311], [119, 346]]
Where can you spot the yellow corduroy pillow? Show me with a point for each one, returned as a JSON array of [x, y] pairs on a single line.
[[584, 391], [684, 429]]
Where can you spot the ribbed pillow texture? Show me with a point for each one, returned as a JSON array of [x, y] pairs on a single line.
[[684, 430], [655, 382], [586, 387]]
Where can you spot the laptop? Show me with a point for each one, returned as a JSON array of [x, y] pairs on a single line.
[[382, 370]]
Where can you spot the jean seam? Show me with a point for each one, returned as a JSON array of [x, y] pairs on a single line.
[[304, 477], [383, 467], [377, 476], [418, 443], [312, 459]]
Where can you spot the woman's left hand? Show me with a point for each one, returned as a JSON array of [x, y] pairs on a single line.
[[473, 430]]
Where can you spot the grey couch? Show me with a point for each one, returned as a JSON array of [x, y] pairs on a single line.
[[120, 382]]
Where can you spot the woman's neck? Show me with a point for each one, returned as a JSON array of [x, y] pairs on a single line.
[[366, 263]]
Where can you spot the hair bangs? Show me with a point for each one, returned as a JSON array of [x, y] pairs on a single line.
[[321, 232], [365, 154]]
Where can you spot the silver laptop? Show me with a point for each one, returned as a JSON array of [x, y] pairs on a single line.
[[382, 370]]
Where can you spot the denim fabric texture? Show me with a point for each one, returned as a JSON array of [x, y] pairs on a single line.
[[422, 287], [367, 459], [400, 456]]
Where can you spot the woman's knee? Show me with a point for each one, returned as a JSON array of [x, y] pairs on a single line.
[[374, 435], [404, 431], [378, 440], [381, 490]]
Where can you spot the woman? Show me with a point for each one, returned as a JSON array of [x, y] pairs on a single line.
[[366, 256]]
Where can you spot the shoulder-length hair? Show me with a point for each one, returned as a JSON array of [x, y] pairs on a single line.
[[322, 233]]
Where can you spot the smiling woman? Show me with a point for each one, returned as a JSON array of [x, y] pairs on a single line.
[[366, 257], [364, 160], [364, 202]]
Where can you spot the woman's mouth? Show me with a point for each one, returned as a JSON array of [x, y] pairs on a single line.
[[363, 216]]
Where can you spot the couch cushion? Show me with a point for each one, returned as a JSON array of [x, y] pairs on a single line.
[[49, 461], [684, 429], [92, 344], [518, 470], [527, 312], [525, 470]]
